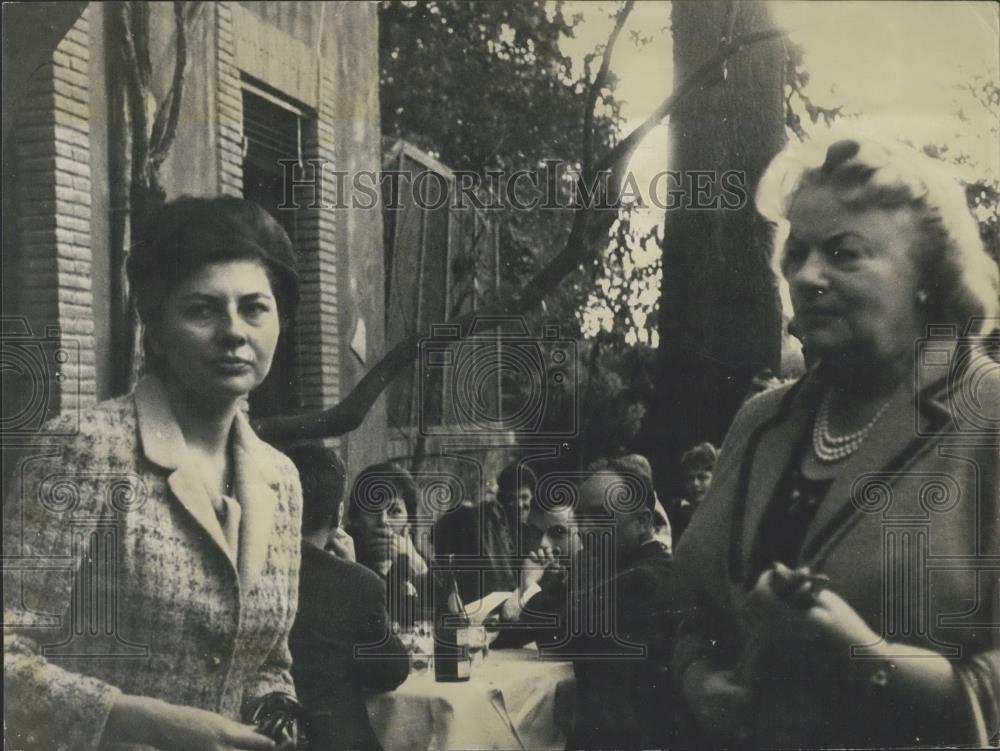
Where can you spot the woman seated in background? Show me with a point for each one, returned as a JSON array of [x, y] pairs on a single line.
[[187, 574], [815, 613], [381, 518], [342, 606]]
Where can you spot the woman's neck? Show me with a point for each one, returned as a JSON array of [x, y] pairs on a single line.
[[204, 423], [860, 378]]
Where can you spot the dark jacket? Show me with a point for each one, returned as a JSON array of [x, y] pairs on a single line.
[[622, 683], [480, 539], [623, 691], [342, 606]]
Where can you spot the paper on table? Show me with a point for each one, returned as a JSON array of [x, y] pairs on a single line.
[[480, 610]]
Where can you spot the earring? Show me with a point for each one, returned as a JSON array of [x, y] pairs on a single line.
[[921, 297]]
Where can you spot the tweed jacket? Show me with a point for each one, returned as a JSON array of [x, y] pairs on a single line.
[[908, 532], [118, 577]]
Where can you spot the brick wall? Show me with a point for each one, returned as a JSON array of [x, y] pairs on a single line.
[[54, 264]]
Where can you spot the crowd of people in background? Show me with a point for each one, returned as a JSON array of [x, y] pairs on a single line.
[[751, 611]]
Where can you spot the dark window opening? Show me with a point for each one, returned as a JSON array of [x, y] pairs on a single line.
[[272, 132]]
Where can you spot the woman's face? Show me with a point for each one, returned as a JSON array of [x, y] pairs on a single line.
[[218, 330], [391, 516], [852, 276]]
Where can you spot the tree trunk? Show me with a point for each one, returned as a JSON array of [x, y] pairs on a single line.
[[720, 319]]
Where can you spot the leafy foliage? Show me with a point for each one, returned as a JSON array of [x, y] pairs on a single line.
[[485, 87]]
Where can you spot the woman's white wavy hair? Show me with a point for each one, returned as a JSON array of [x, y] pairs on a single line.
[[959, 276]]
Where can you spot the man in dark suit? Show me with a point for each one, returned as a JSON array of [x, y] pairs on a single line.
[[342, 606], [484, 537], [610, 611]]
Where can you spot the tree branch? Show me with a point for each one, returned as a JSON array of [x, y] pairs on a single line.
[[136, 91], [707, 73], [594, 90], [350, 412], [165, 125]]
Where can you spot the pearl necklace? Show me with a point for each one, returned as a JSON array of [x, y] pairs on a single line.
[[829, 448]]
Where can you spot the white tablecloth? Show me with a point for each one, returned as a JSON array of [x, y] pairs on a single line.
[[509, 704]]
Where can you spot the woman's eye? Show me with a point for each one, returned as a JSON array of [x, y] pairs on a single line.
[[200, 311], [843, 254], [256, 309]]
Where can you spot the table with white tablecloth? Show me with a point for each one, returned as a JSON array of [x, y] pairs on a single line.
[[514, 701]]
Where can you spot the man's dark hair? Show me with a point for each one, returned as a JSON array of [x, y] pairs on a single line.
[[323, 477], [700, 457], [637, 479]]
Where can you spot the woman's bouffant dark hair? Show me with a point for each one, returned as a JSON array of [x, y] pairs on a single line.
[[180, 237], [371, 488]]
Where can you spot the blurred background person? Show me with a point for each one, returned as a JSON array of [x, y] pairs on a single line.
[[481, 535], [208, 520], [572, 579], [342, 605], [661, 521], [697, 464], [515, 488], [794, 633]]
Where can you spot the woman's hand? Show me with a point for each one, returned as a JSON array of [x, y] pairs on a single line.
[[380, 547], [788, 608], [721, 706], [418, 566], [170, 727]]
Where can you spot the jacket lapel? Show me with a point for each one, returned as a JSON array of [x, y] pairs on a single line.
[[256, 487], [888, 439], [775, 445], [918, 409], [163, 444]]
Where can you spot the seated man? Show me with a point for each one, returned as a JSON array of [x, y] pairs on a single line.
[[341, 605], [537, 610], [612, 611]]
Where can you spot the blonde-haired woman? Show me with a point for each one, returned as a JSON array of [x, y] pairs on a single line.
[[840, 582]]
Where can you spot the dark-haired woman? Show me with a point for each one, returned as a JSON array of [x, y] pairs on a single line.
[[380, 518], [175, 529], [840, 578]]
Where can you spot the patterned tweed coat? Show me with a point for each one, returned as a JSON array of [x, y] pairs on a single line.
[[118, 577]]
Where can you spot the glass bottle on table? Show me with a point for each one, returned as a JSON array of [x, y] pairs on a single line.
[[452, 655]]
